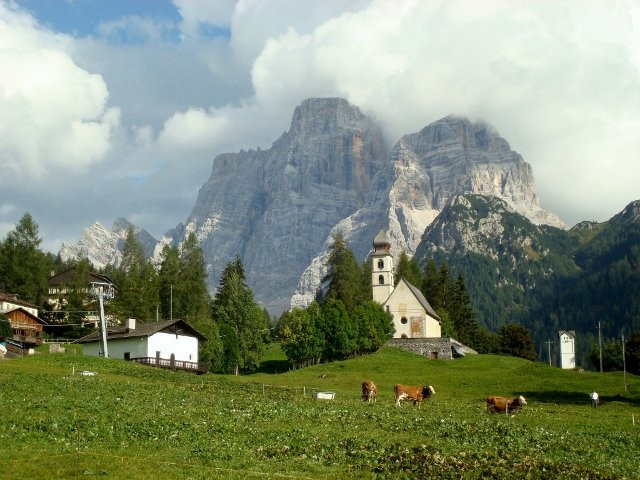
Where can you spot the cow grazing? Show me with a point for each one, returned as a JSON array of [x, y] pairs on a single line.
[[369, 391], [415, 394], [509, 406]]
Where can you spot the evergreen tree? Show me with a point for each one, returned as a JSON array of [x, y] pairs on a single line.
[[23, 266], [409, 270], [464, 321], [234, 307], [136, 279], [516, 340], [429, 285], [444, 287], [344, 279], [193, 298], [167, 280], [230, 359], [366, 290]]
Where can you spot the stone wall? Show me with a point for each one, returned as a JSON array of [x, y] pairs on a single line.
[[437, 347]]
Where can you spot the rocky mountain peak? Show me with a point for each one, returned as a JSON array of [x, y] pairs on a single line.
[[104, 247], [457, 131], [320, 115]]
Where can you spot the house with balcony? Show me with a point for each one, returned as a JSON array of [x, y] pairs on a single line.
[[165, 344], [27, 328], [61, 285]]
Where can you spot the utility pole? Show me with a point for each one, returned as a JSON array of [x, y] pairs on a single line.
[[101, 291], [600, 344], [549, 342], [624, 366]]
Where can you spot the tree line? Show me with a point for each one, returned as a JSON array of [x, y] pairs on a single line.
[[342, 322]]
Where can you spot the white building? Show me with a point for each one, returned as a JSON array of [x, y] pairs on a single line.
[[413, 317], [567, 349], [170, 344]]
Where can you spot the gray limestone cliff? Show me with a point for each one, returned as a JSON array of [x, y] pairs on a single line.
[[275, 208], [449, 157]]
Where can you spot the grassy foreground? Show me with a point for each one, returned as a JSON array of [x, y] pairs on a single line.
[[136, 422]]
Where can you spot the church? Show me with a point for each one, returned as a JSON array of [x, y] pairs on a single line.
[[413, 317]]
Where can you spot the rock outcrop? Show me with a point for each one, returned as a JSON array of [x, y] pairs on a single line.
[[104, 247], [275, 208]]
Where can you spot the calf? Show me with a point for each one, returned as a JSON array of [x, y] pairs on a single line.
[[369, 391], [415, 394], [505, 405]]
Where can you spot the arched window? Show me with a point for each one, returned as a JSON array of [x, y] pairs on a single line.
[[380, 264], [381, 280], [403, 320], [404, 335]]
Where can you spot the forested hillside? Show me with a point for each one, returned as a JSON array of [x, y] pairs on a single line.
[[542, 277]]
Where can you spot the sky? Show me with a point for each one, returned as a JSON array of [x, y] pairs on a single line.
[[117, 108]]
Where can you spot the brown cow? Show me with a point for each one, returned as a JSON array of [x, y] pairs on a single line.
[[369, 391], [415, 394], [505, 405]]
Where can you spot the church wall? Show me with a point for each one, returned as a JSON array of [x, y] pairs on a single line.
[[403, 304]]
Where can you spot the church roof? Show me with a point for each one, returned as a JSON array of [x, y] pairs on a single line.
[[423, 301], [381, 244]]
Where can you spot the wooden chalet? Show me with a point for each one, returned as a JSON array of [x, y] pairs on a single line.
[[26, 325]]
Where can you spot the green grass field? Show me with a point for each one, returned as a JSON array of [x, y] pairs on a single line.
[[136, 422]]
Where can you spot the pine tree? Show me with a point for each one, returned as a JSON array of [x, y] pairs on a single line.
[[444, 287], [234, 306], [463, 317], [429, 285], [344, 278], [409, 270], [168, 280], [136, 279], [23, 266], [193, 298]]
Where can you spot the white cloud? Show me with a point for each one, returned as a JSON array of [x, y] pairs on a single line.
[[558, 80], [54, 114]]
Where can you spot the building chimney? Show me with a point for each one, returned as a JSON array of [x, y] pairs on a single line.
[[130, 324]]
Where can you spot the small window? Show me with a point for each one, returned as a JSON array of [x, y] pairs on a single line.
[[127, 355], [404, 335], [403, 320], [380, 264], [381, 280]]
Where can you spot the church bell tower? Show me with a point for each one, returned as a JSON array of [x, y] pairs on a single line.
[[382, 268]]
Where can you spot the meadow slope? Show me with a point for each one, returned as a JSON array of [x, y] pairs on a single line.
[[132, 421]]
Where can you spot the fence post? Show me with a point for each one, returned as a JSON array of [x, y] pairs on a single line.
[[304, 392], [263, 389]]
